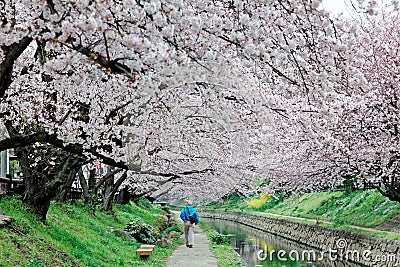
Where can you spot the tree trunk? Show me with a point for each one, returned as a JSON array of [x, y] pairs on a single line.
[[110, 189], [108, 196], [88, 187], [84, 186], [65, 189], [124, 196], [42, 181], [37, 200], [390, 190], [92, 187]]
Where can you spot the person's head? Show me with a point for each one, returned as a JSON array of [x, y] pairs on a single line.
[[188, 202]]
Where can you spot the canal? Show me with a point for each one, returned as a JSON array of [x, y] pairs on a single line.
[[257, 248]]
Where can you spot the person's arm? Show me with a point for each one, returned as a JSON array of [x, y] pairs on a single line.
[[197, 217], [183, 215]]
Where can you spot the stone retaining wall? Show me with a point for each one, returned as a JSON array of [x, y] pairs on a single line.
[[357, 248]]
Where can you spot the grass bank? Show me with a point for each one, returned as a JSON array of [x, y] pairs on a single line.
[[359, 208], [362, 208], [74, 236]]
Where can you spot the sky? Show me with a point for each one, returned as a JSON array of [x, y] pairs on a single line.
[[336, 6]]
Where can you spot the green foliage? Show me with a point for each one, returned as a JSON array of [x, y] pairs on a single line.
[[261, 182], [73, 236], [144, 203], [275, 200], [226, 256], [14, 167], [219, 239], [349, 186], [24, 221], [362, 208], [35, 263], [258, 202], [232, 202], [161, 224], [143, 232], [175, 228], [166, 209]]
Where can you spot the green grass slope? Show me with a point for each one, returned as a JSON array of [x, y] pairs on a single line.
[[74, 236], [361, 208]]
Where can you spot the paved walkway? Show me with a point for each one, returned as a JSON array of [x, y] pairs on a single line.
[[198, 256]]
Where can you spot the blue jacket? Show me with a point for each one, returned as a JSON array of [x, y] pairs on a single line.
[[185, 214]]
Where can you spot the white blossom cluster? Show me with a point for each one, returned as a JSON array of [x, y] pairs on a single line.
[[217, 93]]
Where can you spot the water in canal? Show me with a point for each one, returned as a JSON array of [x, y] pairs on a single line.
[[257, 248]]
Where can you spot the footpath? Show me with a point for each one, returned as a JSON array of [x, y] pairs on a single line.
[[198, 256]]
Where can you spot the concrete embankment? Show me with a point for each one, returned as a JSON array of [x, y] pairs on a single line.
[[354, 247]]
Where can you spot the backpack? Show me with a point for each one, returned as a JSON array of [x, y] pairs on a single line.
[[192, 218]]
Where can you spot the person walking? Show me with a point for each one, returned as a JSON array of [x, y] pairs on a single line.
[[190, 218]]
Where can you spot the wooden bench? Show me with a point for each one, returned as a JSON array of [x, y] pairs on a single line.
[[145, 250]]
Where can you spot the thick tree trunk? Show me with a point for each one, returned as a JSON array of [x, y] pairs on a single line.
[[124, 196], [42, 182], [65, 189], [110, 189], [391, 191], [108, 195], [37, 200], [393, 195], [88, 187]]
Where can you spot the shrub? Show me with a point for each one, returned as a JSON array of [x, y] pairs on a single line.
[[349, 185], [257, 203], [166, 209], [160, 224], [141, 231], [175, 228], [275, 200], [219, 239], [144, 203]]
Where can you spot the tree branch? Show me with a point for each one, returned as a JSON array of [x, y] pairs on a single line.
[[11, 53], [105, 177], [45, 138]]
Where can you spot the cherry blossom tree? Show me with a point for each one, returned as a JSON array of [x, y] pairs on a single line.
[[181, 94], [353, 135], [366, 134]]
